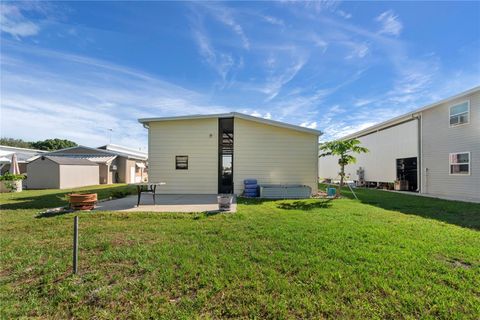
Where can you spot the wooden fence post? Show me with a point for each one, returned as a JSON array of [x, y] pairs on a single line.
[[75, 245]]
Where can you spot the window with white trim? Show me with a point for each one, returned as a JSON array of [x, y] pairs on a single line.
[[459, 113], [460, 163]]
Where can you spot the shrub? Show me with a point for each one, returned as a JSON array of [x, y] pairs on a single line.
[[12, 177]]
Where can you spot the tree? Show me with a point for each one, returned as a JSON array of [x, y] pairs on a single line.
[[53, 144], [17, 143], [342, 149]]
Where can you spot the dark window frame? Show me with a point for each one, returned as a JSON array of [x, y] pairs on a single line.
[[178, 165]]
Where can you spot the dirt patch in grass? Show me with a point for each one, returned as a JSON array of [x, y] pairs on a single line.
[[455, 262]]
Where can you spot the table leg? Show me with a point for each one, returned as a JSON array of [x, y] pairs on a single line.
[[139, 191]]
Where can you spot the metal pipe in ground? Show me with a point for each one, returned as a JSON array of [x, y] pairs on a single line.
[[75, 245]]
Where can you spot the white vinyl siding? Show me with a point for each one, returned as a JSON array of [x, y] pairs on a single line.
[[439, 141], [379, 164], [273, 155], [460, 114], [197, 139]]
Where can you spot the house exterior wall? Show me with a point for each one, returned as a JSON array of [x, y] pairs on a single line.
[[129, 164], [379, 164], [73, 176], [43, 174], [439, 140], [124, 166], [197, 139], [122, 169], [273, 155], [105, 176]]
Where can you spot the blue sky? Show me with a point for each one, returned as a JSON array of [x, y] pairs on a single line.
[[74, 70]]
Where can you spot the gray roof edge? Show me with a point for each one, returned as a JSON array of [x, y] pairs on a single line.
[[69, 161], [108, 152], [25, 149], [233, 114]]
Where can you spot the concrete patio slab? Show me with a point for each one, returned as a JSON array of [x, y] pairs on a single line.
[[165, 203]]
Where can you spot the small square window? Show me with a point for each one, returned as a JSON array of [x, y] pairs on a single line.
[[181, 162], [460, 163], [459, 114]]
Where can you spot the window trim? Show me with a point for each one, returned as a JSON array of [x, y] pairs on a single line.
[[450, 164], [450, 113], [176, 165]]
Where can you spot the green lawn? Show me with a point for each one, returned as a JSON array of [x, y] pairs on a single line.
[[385, 256]]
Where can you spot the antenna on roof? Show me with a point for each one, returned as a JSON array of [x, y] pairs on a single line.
[[111, 130]]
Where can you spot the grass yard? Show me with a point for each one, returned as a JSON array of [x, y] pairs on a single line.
[[385, 256]]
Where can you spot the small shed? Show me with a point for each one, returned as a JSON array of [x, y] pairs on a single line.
[[50, 172]]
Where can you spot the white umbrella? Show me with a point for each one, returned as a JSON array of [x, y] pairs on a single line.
[[14, 168]]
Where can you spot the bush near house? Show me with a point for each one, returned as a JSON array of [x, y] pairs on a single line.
[[385, 256]]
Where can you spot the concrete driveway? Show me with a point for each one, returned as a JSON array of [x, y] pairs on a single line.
[[165, 203]]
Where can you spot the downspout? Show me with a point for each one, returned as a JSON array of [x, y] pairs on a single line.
[[419, 158]]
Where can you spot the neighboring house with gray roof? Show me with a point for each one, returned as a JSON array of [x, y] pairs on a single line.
[[116, 164]]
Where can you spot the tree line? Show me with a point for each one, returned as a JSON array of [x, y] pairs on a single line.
[[48, 144]]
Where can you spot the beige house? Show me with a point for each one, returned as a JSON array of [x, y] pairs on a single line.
[[209, 154], [435, 149], [50, 172], [116, 164]]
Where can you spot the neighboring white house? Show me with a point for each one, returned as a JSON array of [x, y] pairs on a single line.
[[441, 141], [23, 156], [209, 154]]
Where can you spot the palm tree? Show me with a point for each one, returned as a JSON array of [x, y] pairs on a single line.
[[342, 149]]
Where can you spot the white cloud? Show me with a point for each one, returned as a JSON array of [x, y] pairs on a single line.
[[225, 15], [221, 62], [359, 50], [362, 102], [311, 125], [390, 24], [78, 103], [276, 82], [274, 21], [344, 14], [319, 5], [337, 109], [13, 22], [256, 113], [320, 43]]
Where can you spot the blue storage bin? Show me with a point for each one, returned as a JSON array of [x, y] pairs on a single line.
[[251, 187], [331, 192], [249, 181], [251, 195]]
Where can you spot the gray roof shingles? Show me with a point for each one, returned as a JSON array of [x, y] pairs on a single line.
[[71, 161]]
